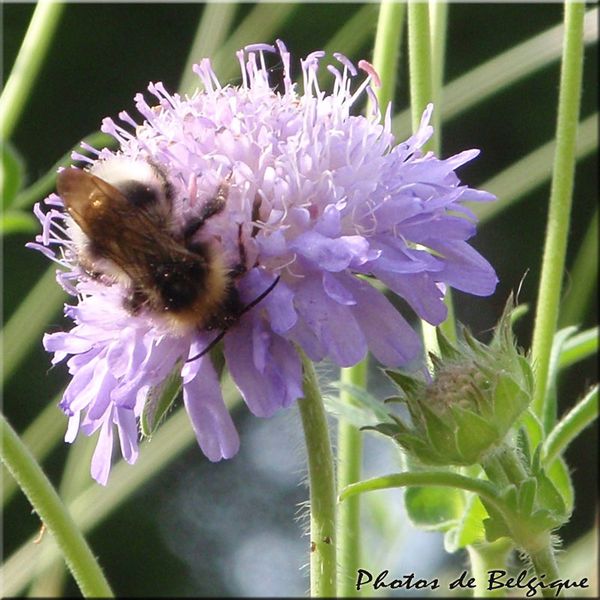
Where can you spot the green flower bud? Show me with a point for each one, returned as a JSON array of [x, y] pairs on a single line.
[[476, 394]]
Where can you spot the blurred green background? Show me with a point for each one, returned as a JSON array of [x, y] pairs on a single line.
[[230, 529]]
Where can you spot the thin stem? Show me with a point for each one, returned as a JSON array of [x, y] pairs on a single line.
[[438, 14], [27, 64], [386, 50], [95, 503], [40, 437], [53, 513], [544, 563], [570, 426], [349, 464], [322, 487], [560, 201], [419, 60], [49, 580], [482, 488], [484, 558], [500, 72]]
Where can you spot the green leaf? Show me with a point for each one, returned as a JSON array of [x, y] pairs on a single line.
[[16, 221], [558, 473], [447, 349], [159, 401], [409, 385], [560, 338], [11, 174], [549, 497], [434, 508], [470, 530], [527, 493], [473, 434]]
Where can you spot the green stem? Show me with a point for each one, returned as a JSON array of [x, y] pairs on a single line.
[[560, 200], [322, 487], [510, 463], [570, 426], [386, 50], [40, 437], [438, 14], [544, 563], [53, 513], [349, 464], [27, 64], [421, 93], [419, 61], [49, 579], [484, 558], [482, 488]]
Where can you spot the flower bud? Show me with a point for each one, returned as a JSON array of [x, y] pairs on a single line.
[[476, 394]]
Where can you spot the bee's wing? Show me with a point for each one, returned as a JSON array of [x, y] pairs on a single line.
[[133, 237]]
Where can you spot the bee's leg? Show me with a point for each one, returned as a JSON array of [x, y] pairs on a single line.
[[213, 207], [239, 269]]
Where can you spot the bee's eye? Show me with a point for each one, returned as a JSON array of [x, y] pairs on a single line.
[[139, 194]]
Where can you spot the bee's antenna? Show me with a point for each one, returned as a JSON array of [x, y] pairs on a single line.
[[244, 310]]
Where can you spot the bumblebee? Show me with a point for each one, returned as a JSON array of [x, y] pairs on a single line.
[[124, 211]]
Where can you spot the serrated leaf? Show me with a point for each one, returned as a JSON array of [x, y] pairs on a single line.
[[523, 444], [533, 427], [159, 401], [11, 174], [433, 508]]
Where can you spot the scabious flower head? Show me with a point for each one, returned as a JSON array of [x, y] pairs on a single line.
[[318, 197]]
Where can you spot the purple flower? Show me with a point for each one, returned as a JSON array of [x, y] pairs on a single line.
[[315, 197]]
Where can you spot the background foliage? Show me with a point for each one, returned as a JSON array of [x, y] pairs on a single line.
[[229, 529]]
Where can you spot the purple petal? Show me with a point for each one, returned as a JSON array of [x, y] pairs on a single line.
[[420, 291], [128, 434], [332, 323], [464, 268], [332, 254], [276, 380], [212, 423], [103, 452], [390, 338]]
